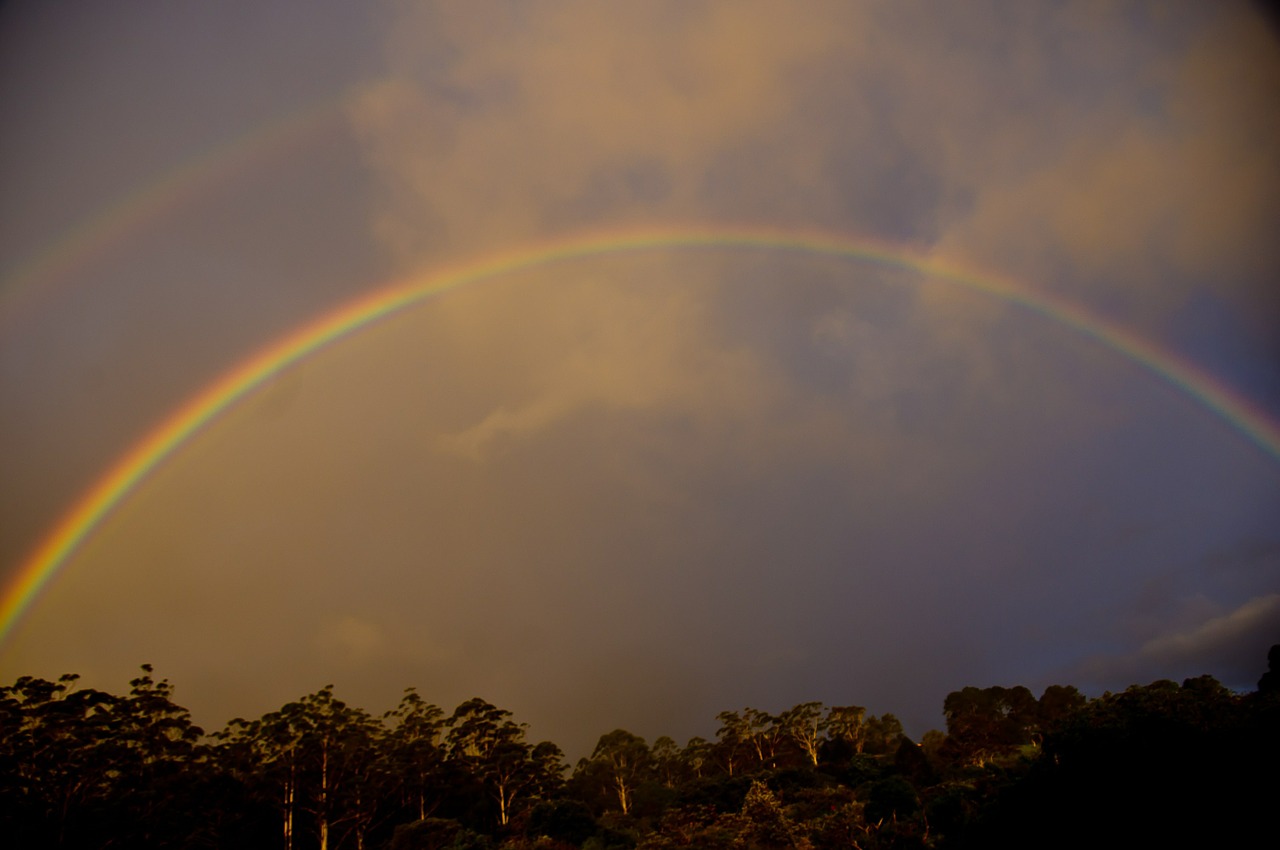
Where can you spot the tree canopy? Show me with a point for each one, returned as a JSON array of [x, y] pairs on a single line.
[[1162, 763]]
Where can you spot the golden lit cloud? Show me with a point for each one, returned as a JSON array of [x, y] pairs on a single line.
[[1164, 177]]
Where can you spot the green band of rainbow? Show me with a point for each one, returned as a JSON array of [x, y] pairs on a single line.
[[180, 426]]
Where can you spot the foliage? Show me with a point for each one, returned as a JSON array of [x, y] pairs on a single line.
[[619, 764], [82, 766], [1157, 764]]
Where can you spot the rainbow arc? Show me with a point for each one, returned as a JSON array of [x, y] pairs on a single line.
[[167, 437]]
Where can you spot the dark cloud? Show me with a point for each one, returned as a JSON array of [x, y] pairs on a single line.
[[1232, 647], [637, 489]]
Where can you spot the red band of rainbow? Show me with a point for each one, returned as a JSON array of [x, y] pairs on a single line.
[[179, 427]]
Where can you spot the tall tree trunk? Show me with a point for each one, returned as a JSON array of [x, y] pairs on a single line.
[[288, 811], [624, 794], [323, 800]]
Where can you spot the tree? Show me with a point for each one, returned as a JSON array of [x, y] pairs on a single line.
[[764, 731], [432, 834], [81, 767], [153, 742], [667, 764], [882, 733], [910, 760], [546, 770], [734, 734], [806, 726], [1270, 681], [414, 751], [697, 756], [569, 821], [262, 756], [621, 760], [763, 825], [847, 723], [1057, 704], [1154, 765], [931, 744], [57, 765], [985, 723], [316, 757], [891, 798], [484, 739]]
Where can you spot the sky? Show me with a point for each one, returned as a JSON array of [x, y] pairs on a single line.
[[635, 486]]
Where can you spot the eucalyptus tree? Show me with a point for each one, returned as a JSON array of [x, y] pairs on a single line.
[[1056, 705], [546, 770], [734, 737], [765, 732], [55, 767], [985, 723], [883, 733], [619, 762], [316, 759], [848, 723], [806, 726], [261, 755], [415, 752], [156, 755], [81, 767], [697, 757], [667, 762], [484, 740]]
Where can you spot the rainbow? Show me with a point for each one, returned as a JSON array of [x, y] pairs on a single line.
[[131, 469], [174, 188]]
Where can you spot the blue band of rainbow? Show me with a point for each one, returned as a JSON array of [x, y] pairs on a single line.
[[179, 427]]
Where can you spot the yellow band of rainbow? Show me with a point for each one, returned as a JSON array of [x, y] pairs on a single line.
[[128, 472]]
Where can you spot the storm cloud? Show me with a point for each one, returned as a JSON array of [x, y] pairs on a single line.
[[638, 488]]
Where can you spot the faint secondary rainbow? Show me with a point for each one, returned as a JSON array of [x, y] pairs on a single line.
[[171, 189], [127, 473]]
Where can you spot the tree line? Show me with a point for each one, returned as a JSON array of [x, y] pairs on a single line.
[[1164, 763]]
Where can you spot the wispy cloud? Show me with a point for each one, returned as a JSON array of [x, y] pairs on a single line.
[[1232, 646]]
